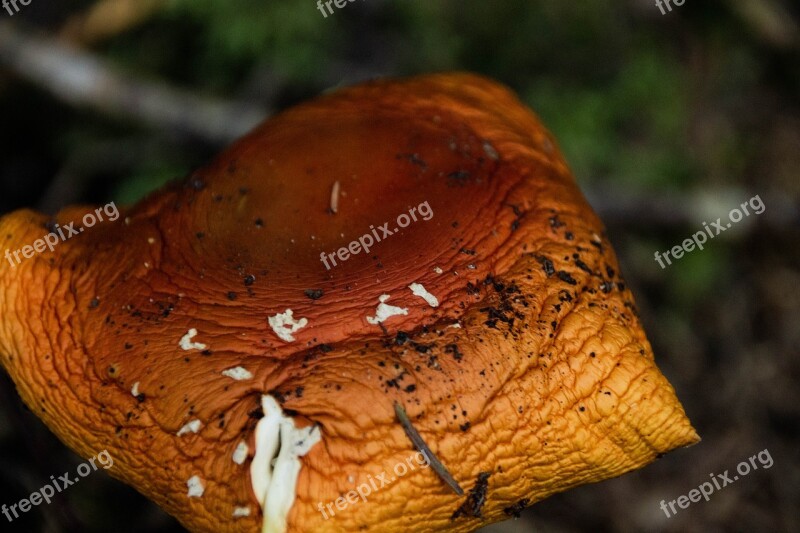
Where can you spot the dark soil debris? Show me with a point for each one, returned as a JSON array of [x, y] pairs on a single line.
[[566, 277], [314, 294], [516, 509], [475, 499]]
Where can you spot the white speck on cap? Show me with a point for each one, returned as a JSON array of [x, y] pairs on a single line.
[[135, 389], [196, 487], [279, 322], [192, 427], [385, 310], [438, 270], [420, 291], [238, 373], [239, 512], [240, 453], [187, 344], [490, 151]]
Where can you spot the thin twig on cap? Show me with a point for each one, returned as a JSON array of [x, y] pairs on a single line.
[[335, 197], [416, 438]]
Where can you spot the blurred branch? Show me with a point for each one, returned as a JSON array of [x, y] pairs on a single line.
[[82, 79], [770, 21], [108, 18], [661, 209]]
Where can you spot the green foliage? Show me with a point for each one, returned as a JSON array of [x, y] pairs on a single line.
[[144, 180], [630, 129], [286, 34]]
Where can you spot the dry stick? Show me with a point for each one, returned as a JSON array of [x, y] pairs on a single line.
[[416, 438]]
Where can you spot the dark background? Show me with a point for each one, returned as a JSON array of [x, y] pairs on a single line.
[[666, 120]]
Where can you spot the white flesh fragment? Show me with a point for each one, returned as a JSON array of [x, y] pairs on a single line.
[[385, 311], [238, 373], [187, 344], [195, 486], [191, 427], [240, 453], [279, 322], [420, 291]]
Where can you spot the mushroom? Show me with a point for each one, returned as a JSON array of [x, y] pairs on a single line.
[[269, 388]]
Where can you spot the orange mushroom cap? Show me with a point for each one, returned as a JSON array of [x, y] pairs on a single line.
[[201, 334]]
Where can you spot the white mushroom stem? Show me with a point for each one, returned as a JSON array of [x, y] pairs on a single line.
[[274, 480], [267, 441]]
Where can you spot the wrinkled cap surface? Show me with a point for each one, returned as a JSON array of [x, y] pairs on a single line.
[[497, 317]]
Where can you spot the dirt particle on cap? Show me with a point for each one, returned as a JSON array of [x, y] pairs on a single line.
[[314, 294], [555, 223], [453, 349], [566, 277], [401, 338], [547, 265]]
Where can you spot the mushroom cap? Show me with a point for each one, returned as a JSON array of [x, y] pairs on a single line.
[[164, 335]]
